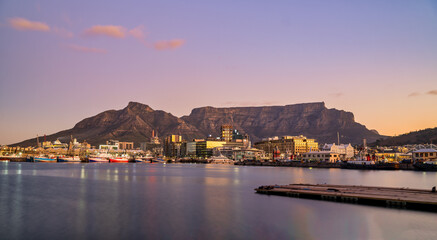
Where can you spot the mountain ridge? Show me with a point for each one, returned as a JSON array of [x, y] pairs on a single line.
[[136, 121]]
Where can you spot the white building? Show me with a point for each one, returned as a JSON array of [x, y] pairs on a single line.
[[346, 151], [424, 155]]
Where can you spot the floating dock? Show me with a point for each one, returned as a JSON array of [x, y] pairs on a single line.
[[418, 199]]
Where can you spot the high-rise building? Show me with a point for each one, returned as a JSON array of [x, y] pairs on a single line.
[[226, 131]]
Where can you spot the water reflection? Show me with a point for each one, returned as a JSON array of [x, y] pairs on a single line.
[[195, 201]]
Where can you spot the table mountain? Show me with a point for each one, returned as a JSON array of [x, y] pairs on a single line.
[[136, 122], [313, 120]]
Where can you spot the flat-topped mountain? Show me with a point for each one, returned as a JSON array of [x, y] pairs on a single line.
[[313, 120], [136, 121]]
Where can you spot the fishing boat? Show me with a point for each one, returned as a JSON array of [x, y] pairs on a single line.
[[158, 160], [69, 159], [147, 158], [140, 159], [119, 160], [98, 159], [44, 159]]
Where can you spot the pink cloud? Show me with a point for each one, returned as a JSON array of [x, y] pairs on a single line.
[[172, 44], [106, 30], [432, 92], [138, 33], [86, 49], [23, 24]]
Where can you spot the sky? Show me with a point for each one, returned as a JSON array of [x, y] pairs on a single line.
[[63, 61]]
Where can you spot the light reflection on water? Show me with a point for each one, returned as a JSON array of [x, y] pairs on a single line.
[[176, 201]]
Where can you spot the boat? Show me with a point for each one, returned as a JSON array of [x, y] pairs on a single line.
[[158, 160], [69, 159], [98, 159], [220, 160], [147, 158], [426, 166], [119, 160], [44, 159]]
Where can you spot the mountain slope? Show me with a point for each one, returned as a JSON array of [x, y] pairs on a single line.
[[133, 123], [428, 135]]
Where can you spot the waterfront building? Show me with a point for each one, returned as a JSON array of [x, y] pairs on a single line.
[[226, 132], [154, 145], [288, 146], [192, 147], [204, 148], [423, 155], [238, 153], [126, 145], [346, 151], [174, 146], [321, 156], [110, 145]]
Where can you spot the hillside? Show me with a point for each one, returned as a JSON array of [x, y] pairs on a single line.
[[428, 135]]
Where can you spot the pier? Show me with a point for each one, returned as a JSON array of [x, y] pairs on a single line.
[[406, 198]]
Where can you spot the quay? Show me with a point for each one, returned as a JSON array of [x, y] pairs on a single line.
[[418, 199]]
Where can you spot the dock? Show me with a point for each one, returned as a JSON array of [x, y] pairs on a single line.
[[405, 198]]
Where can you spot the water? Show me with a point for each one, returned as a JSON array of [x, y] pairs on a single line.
[[184, 201]]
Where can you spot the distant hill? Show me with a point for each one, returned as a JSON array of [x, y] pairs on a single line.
[[418, 137], [136, 121]]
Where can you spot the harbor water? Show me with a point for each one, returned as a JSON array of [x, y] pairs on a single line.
[[195, 201]]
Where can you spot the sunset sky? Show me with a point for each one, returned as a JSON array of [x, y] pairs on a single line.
[[64, 61]]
